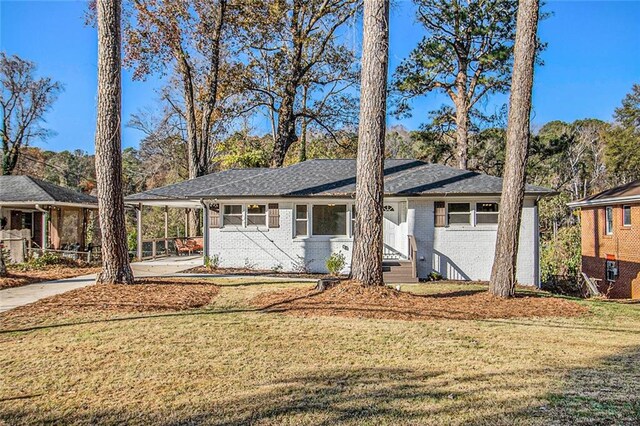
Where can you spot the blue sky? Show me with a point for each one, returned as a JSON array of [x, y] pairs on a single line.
[[592, 60]]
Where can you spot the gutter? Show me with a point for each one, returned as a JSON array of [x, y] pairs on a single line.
[[604, 201]]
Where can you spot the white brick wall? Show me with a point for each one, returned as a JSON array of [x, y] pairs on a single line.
[[454, 252], [267, 248]]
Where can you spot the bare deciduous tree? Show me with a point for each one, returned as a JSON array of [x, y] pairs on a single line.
[[366, 266], [293, 46], [24, 100], [115, 256], [503, 273]]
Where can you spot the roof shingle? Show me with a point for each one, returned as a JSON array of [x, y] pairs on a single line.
[[331, 178], [29, 189]]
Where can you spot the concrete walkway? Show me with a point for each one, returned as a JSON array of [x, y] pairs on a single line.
[[13, 297]]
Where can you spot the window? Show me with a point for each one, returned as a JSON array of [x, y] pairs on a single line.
[[256, 215], [459, 214], [232, 215], [608, 220], [353, 219], [626, 215], [612, 270], [486, 213], [302, 219], [330, 219]]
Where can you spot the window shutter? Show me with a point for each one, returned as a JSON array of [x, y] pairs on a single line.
[[439, 214], [214, 216], [274, 216]]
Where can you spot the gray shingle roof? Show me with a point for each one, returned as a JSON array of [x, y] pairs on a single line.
[[30, 189], [331, 178]]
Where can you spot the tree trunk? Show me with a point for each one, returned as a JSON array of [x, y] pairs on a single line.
[[286, 133], [462, 130], [3, 267], [503, 273], [108, 159], [366, 266]]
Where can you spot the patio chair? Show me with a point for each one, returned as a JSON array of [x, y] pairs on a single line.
[[182, 247], [195, 244]]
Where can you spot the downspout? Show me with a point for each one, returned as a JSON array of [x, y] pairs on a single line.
[[45, 221], [537, 229]]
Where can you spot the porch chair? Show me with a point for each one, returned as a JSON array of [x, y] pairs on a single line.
[[182, 247]]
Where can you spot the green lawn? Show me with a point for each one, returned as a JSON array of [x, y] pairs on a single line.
[[230, 364]]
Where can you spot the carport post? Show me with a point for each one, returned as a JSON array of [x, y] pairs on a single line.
[[166, 230], [139, 236], [205, 231]]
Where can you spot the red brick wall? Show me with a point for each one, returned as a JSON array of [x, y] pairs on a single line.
[[623, 246]]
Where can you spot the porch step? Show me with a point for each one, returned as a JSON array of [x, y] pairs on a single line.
[[398, 271]]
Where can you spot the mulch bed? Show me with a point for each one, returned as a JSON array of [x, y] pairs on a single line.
[[146, 295], [17, 277], [254, 272], [350, 299]]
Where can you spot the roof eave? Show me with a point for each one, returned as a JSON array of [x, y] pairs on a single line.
[[604, 201]]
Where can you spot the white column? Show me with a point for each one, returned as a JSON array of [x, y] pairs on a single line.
[[139, 241], [205, 230]]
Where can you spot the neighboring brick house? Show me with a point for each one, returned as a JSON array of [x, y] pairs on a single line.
[[436, 218], [610, 223]]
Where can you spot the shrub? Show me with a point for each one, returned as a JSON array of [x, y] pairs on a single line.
[[277, 268], [336, 263], [212, 262], [560, 258]]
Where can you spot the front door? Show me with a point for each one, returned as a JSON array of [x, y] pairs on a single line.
[[390, 224]]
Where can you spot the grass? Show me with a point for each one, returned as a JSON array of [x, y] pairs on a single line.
[[230, 364]]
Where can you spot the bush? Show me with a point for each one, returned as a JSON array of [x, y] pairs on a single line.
[[336, 263], [561, 259], [212, 262]]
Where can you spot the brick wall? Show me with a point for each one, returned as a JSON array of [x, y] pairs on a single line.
[[623, 246]]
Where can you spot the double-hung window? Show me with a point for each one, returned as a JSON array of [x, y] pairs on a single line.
[[459, 214], [486, 213], [256, 215], [302, 220], [608, 220], [626, 215], [232, 215]]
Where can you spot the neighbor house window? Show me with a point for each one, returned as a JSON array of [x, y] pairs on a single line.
[[626, 215], [486, 213], [612, 270], [256, 215], [232, 215], [302, 219], [459, 214], [608, 220], [329, 219]]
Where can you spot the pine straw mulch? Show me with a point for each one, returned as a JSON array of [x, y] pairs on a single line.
[[254, 272], [19, 277], [349, 299], [105, 300]]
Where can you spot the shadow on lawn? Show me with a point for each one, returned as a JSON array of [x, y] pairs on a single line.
[[318, 397]]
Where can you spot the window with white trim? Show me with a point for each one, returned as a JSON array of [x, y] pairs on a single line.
[[232, 215], [626, 215], [608, 220], [459, 214], [256, 215], [329, 219], [302, 220], [486, 213], [353, 219]]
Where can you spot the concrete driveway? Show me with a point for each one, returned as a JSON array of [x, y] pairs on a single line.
[[13, 297]]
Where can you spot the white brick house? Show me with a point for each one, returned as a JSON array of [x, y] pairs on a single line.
[[436, 218]]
